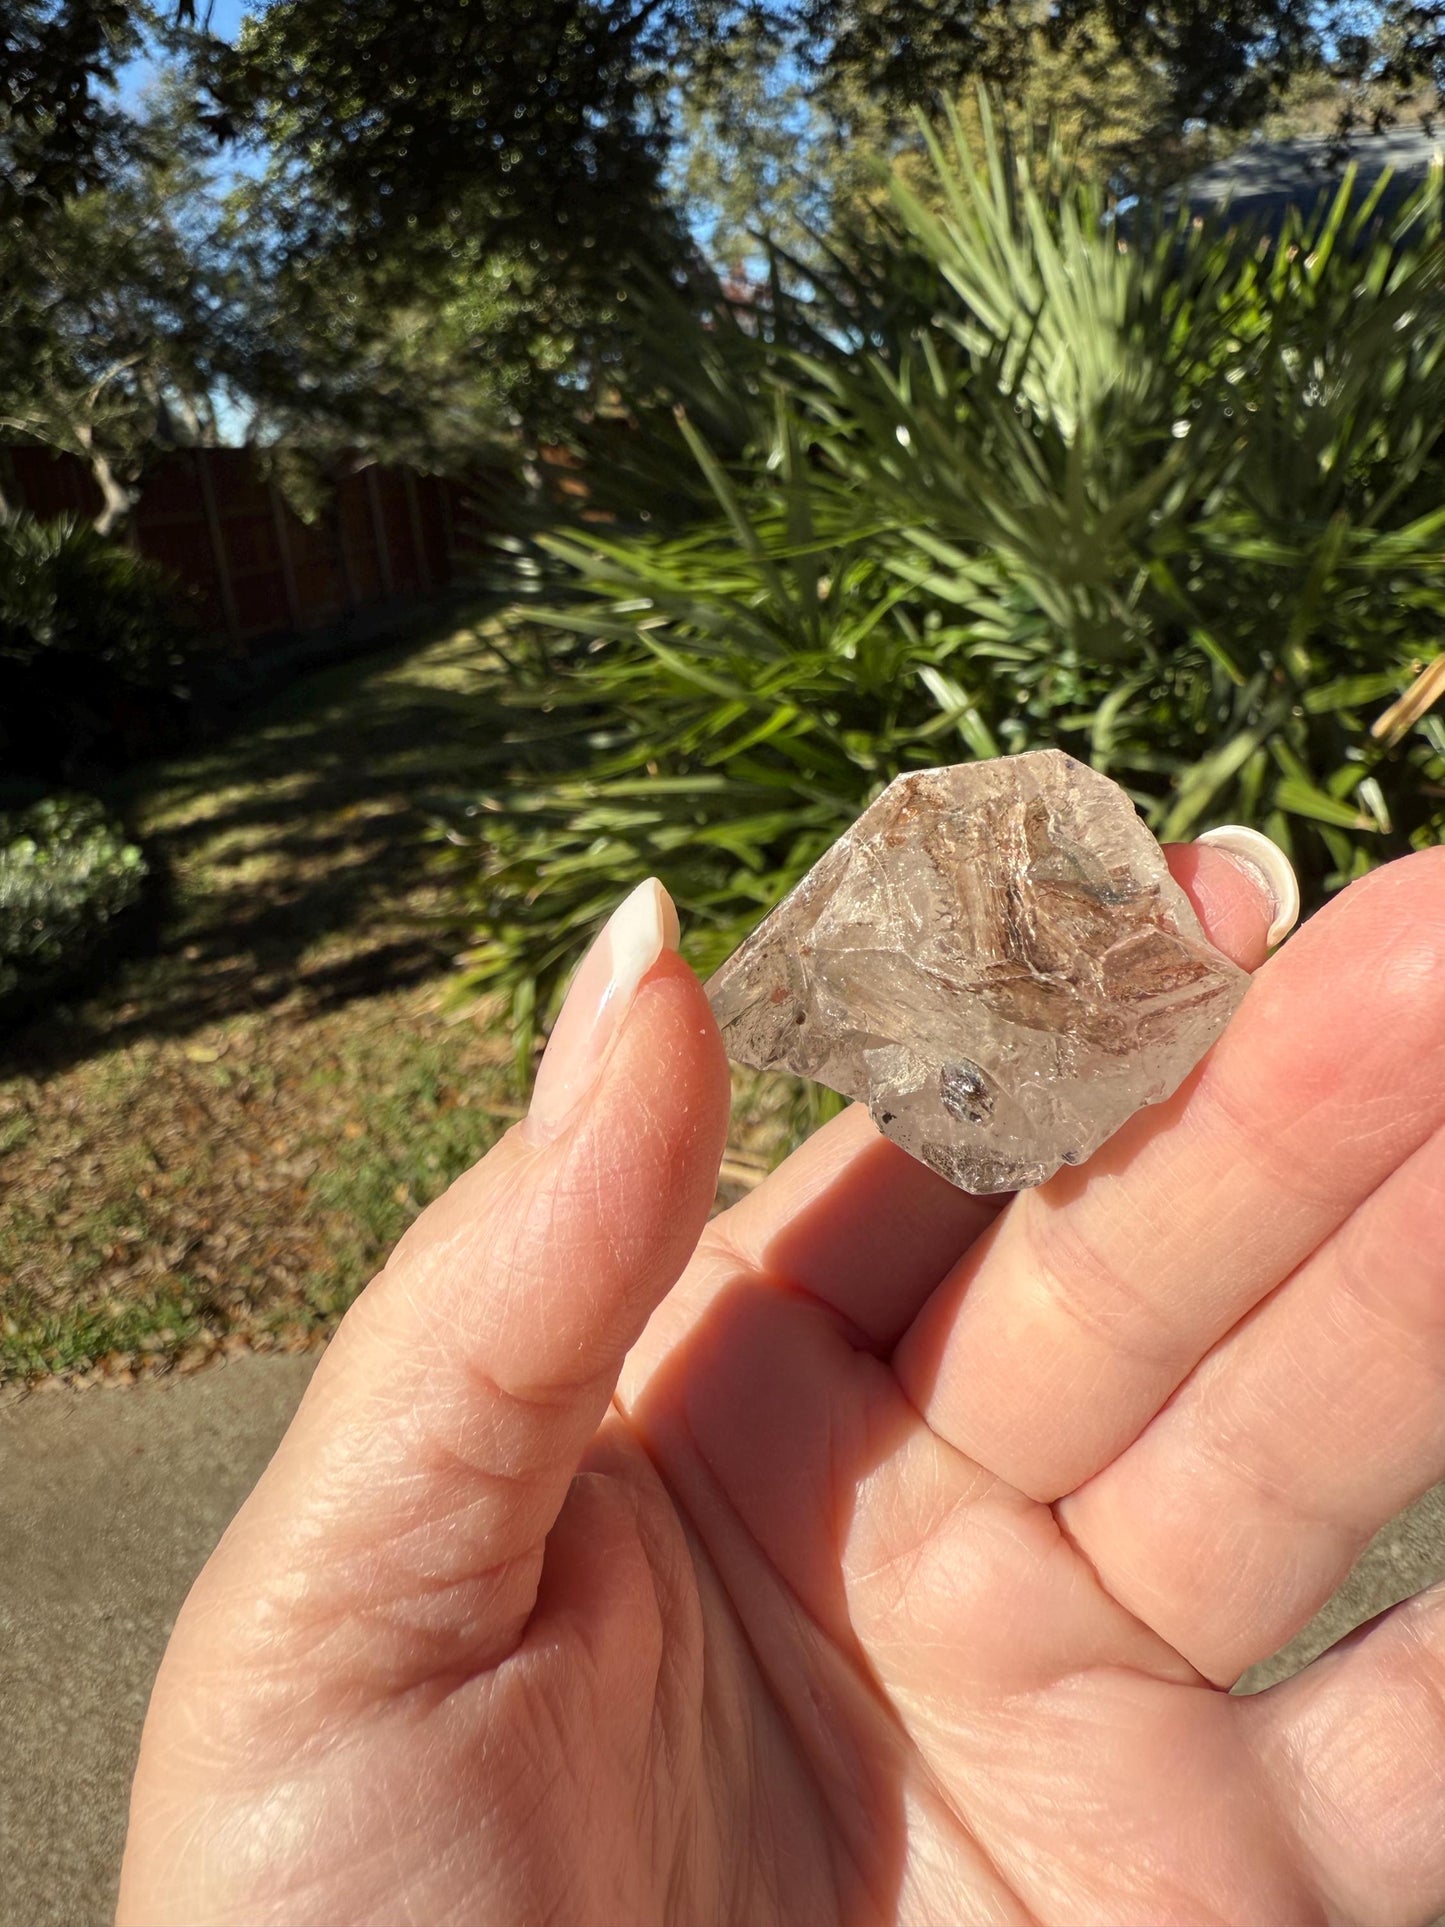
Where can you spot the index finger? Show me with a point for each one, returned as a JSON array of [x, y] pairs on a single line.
[[863, 1229]]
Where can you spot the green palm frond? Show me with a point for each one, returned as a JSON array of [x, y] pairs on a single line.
[[991, 479]]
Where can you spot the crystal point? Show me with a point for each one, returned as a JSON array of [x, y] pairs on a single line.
[[996, 960]]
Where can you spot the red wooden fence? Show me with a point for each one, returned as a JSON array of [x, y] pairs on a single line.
[[211, 518]]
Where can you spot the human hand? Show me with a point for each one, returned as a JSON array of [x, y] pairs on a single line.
[[890, 1566]]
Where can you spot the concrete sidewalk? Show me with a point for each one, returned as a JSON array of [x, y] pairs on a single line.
[[110, 1502]]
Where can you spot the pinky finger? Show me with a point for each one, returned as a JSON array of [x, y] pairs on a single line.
[[1354, 1750]]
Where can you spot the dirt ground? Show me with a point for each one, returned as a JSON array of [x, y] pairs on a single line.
[[216, 1149]]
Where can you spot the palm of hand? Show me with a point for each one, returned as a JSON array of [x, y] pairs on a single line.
[[908, 1559]]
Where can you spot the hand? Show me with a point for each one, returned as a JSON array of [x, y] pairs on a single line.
[[890, 1566]]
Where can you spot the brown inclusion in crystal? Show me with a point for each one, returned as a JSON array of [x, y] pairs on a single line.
[[996, 960]]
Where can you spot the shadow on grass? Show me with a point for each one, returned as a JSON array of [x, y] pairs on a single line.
[[293, 854]]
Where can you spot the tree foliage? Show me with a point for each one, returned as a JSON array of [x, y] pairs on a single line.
[[1222, 63], [63, 126], [420, 361], [551, 135], [543, 121], [59, 129], [122, 315], [547, 131], [764, 156], [162, 307], [429, 225]]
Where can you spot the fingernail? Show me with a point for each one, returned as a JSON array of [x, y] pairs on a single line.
[[1266, 863], [635, 936]]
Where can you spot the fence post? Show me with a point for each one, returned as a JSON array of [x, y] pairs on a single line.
[[283, 549], [12, 496], [418, 539], [343, 547], [378, 532], [449, 526], [218, 543]]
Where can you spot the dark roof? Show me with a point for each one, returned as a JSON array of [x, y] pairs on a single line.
[[1260, 182]]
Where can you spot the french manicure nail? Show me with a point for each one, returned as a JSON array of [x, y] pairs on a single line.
[[1268, 865], [607, 980]]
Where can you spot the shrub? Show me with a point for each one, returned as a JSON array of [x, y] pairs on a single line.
[[67, 878], [1175, 507], [92, 649]]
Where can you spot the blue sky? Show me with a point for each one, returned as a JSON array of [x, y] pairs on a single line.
[[225, 19]]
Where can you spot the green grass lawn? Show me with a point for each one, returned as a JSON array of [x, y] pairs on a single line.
[[219, 1148]]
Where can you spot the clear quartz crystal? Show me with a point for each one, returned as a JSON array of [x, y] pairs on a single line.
[[996, 960]]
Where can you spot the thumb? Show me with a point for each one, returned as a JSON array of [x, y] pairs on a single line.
[[431, 1456]]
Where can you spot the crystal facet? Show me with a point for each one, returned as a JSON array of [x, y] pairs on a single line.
[[996, 960]]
